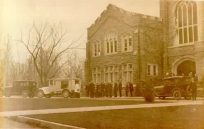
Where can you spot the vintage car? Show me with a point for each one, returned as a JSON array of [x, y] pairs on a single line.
[[67, 87], [175, 86], [25, 88]]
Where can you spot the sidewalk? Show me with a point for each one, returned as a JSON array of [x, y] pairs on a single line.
[[10, 124], [99, 108]]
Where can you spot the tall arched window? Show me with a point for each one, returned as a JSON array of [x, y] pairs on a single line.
[[187, 27], [111, 43]]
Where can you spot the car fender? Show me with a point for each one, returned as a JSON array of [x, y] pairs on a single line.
[[46, 90]]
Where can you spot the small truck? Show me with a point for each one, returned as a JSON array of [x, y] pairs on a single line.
[[25, 88], [66, 87]]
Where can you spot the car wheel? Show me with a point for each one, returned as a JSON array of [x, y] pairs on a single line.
[[40, 94], [65, 93], [177, 94], [25, 94]]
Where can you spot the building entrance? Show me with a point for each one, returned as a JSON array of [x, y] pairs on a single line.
[[186, 67]]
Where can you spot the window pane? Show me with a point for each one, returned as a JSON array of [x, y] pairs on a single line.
[[107, 47], [99, 48], [185, 35], [195, 33], [125, 45], [190, 14], [154, 70], [111, 46], [180, 17], [116, 46], [130, 41], [148, 69], [184, 15], [180, 36], [190, 34], [194, 13], [95, 50]]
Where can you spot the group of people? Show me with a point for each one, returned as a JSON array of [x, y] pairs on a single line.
[[108, 89]]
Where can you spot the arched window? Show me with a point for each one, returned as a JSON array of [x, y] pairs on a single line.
[[187, 27], [111, 43], [96, 48]]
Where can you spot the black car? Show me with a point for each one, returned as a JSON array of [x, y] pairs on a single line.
[[176, 86], [23, 88]]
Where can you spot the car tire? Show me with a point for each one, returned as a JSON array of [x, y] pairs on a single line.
[[40, 94], [25, 93], [176, 94], [65, 93]]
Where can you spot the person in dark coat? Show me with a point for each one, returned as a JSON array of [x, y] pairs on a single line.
[[115, 89], [97, 90], [126, 89], [92, 89], [106, 90], [87, 90], [194, 80], [103, 91], [120, 88], [131, 88], [110, 89]]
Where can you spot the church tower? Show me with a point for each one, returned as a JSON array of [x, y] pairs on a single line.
[[183, 23]]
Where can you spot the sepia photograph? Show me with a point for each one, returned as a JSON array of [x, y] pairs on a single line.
[[101, 64]]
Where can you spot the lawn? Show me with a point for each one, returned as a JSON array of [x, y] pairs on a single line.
[[179, 117], [34, 104]]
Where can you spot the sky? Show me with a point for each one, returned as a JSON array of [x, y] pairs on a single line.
[[76, 16]]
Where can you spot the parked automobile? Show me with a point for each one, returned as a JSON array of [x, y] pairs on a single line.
[[176, 86], [66, 87], [24, 88]]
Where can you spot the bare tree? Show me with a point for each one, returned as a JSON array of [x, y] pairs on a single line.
[[74, 66], [46, 44], [155, 42]]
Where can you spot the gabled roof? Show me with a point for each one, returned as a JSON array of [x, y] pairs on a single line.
[[118, 13]]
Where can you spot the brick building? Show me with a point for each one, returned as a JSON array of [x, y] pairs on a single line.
[[123, 46], [129, 46], [184, 33]]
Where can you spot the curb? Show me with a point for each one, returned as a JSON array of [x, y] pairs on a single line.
[[43, 124]]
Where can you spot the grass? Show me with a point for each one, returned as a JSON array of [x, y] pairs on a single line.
[[179, 117], [12, 104]]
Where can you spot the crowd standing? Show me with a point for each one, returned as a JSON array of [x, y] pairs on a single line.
[[108, 89], [116, 89]]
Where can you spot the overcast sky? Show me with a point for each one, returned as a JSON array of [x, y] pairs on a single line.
[[75, 15]]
